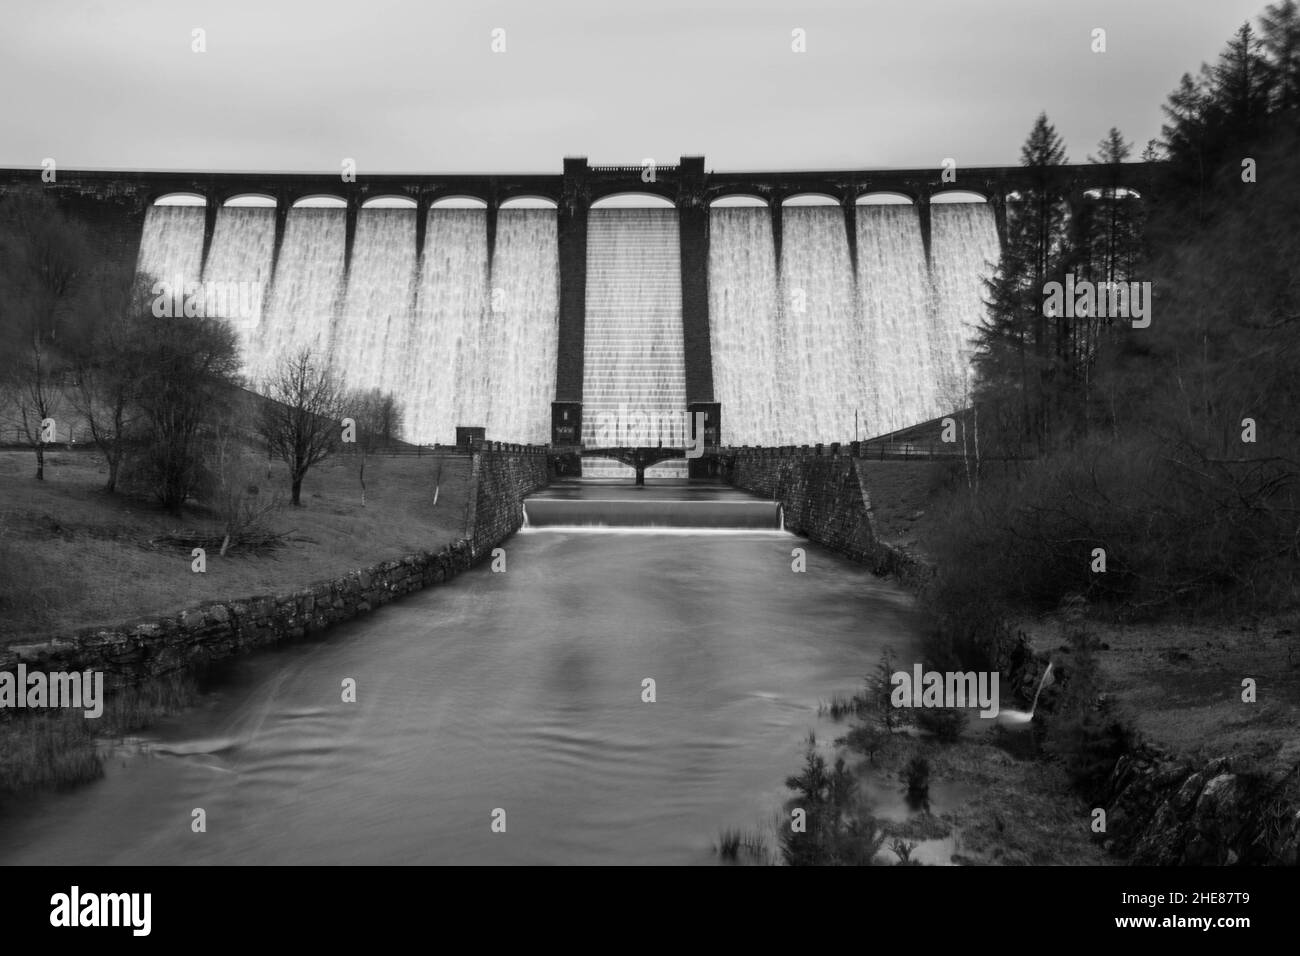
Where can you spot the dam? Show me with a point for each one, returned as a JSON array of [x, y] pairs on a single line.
[[787, 307]]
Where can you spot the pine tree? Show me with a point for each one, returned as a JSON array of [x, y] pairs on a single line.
[[1016, 334], [1279, 27], [1241, 87]]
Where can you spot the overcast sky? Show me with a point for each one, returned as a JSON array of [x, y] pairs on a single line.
[[413, 85]]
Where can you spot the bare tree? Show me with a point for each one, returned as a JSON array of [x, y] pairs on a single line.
[[46, 258], [377, 422], [110, 368], [243, 507], [33, 393], [301, 421], [189, 376]]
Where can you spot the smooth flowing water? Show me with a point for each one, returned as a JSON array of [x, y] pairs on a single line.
[[519, 691]]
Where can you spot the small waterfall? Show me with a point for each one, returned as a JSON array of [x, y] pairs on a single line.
[[964, 251], [172, 243], [305, 293], [1046, 679], [1019, 718], [242, 245]]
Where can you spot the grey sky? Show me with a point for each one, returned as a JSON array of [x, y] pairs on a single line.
[[414, 86]]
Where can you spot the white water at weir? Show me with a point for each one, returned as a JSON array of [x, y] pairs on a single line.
[[901, 350], [483, 351], [372, 332], [172, 243], [454, 348], [462, 341], [452, 301], [894, 346], [242, 246], [634, 372], [305, 294], [523, 324], [823, 381], [744, 326], [964, 249]]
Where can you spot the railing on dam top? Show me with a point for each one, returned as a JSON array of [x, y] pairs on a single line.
[[881, 450]]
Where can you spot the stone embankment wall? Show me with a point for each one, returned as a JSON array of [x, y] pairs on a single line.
[[500, 477], [824, 495]]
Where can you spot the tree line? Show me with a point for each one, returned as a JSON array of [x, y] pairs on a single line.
[[1153, 468]]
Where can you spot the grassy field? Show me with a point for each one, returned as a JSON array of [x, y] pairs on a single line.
[[902, 495], [1180, 684], [72, 556]]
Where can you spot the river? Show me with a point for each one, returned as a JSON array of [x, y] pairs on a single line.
[[518, 691]]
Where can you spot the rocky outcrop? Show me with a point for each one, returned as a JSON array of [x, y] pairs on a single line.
[[1161, 811]]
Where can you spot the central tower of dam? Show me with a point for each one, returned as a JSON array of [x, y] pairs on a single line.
[[788, 307]]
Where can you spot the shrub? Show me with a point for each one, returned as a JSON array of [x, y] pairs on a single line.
[[945, 723], [917, 777], [838, 830]]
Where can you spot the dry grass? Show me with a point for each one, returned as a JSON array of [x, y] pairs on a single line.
[[72, 556]]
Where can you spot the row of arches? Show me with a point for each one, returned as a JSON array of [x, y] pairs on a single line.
[[628, 199]]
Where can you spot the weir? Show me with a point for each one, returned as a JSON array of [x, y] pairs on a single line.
[[669, 505]]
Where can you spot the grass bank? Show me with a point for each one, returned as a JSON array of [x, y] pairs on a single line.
[[72, 556]]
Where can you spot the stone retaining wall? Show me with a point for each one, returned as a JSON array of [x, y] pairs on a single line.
[[824, 495], [500, 477]]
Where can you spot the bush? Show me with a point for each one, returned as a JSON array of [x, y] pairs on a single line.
[[945, 723], [1177, 530], [838, 829], [1085, 732], [917, 777]]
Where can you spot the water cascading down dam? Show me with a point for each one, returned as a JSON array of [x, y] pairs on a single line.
[[571, 323]]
